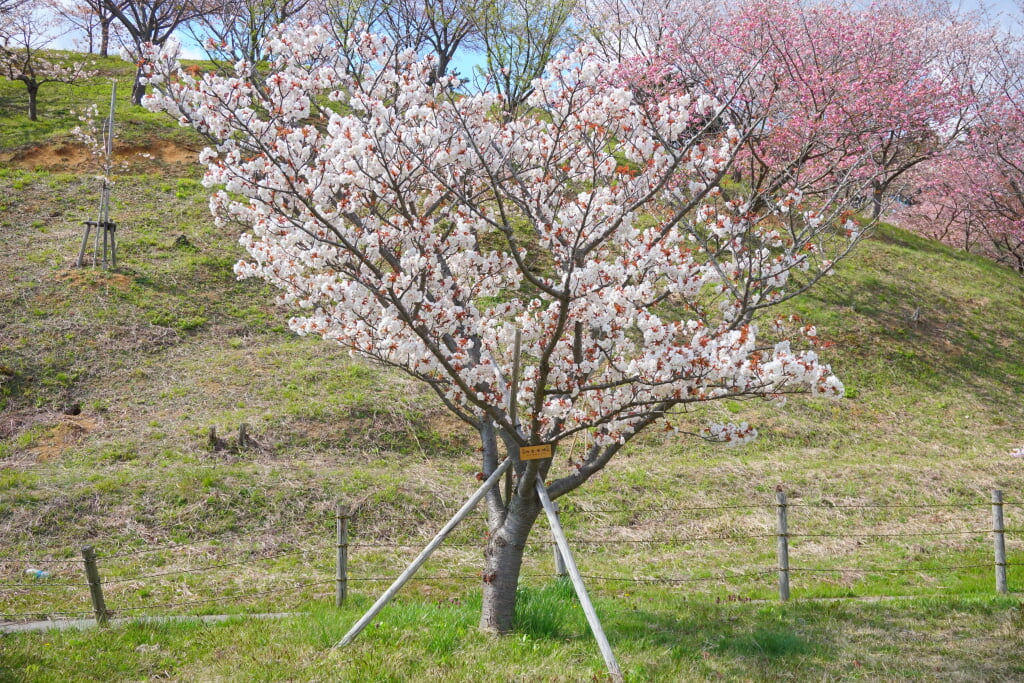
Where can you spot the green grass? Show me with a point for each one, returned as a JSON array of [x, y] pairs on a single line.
[[671, 639], [929, 342], [60, 105]]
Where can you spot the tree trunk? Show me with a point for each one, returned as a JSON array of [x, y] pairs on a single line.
[[503, 560], [138, 88], [876, 199], [105, 36], [33, 92]]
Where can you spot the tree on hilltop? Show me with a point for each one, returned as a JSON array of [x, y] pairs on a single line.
[[151, 22], [25, 34], [834, 86]]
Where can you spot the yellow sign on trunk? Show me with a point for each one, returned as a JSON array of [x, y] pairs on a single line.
[[536, 452]]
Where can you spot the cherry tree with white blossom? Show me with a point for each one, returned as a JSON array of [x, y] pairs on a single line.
[[26, 33], [418, 227]]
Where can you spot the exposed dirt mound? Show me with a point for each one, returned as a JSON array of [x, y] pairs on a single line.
[[48, 434], [60, 437], [95, 280], [76, 157]]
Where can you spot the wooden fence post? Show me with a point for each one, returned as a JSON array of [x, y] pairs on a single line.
[[92, 574], [1000, 542], [783, 545], [560, 569], [341, 518]]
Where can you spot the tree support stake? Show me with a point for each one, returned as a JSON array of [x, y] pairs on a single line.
[[425, 554], [577, 581]]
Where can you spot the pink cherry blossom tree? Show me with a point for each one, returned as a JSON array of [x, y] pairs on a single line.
[[972, 197], [420, 228], [832, 86]]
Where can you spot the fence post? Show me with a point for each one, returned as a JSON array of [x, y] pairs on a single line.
[[341, 565], [783, 545], [1000, 542], [560, 569], [92, 575]]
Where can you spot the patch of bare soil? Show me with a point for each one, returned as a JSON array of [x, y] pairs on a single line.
[[62, 436], [76, 157], [55, 433], [91, 280]]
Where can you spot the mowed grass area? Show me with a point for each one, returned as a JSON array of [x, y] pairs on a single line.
[[677, 536], [671, 638]]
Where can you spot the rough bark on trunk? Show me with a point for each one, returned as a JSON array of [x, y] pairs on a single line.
[[503, 560], [104, 36], [33, 93], [138, 88], [876, 199]]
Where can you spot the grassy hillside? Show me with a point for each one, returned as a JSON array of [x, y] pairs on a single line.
[[676, 535]]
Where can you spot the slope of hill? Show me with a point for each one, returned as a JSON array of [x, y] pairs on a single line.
[[110, 381]]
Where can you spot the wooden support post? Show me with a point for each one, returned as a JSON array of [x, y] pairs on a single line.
[[426, 553], [998, 533], [113, 244], [577, 581], [107, 234], [92, 574], [341, 565], [783, 545], [85, 242], [243, 436], [560, 569]]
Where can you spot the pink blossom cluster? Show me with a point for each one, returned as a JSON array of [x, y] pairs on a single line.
[[827, 94], [972, 196]]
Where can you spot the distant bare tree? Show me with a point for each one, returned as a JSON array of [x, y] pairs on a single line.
[[238, 29], [90, 17], [25, 34], [152, 21], [440, 27], [518, 39]]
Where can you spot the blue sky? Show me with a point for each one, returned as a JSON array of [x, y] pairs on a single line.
[[1008, 9]]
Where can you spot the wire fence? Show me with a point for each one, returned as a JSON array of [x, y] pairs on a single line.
[[154, 579]]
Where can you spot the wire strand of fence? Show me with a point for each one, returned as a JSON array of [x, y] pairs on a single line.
[[534, 543], [888, 570], [176, 546], [46, 613], [691, 539], [40, 585], [439, 577], [206, 568], [828, 506], [569, 510], [142, 551], [36, 560], [669, 540], [907, 534], [242, 596], [679, 580]]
